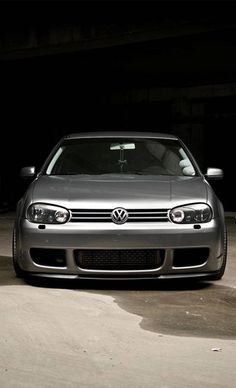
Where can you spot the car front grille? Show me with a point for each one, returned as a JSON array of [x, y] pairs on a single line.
[[137, 215], [114, 259]]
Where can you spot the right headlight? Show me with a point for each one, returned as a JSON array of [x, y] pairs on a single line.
[[191, 214], [41, 213]]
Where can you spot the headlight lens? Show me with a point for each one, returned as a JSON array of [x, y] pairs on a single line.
[[191, 214], [41, 213]]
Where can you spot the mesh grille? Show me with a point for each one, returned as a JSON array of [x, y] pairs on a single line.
[[125, 259], [138, 215]]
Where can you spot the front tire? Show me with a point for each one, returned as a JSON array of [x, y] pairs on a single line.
[[18, 271], [221, 272]]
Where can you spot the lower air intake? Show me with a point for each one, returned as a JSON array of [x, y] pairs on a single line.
[[125, 259]]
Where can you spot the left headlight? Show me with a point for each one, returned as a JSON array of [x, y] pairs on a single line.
[[41, 213], [191, 214]]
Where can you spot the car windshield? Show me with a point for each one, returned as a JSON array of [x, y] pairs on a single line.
[[97, 156]]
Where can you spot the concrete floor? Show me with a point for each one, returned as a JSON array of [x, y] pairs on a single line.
[[128, 334]]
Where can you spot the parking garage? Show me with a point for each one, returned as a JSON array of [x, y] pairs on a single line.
[[99, 67]]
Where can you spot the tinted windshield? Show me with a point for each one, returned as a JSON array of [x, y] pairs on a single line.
[[120, 156]]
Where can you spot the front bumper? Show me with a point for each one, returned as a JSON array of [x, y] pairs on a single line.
[[164, 236]]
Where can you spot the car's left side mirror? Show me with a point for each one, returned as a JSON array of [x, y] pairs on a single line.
[[28, 172], [214, 173]]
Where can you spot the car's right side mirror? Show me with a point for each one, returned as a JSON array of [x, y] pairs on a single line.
[[28, 172], [214, 173]]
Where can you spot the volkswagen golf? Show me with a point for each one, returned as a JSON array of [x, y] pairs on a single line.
[[120, 205]]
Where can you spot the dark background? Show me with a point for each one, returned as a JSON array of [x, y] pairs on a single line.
[[87, 66]]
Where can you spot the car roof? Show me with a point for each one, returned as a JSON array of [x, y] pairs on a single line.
[[115, 134]]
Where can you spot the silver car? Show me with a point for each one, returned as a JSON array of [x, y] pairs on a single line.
[[120, 205]]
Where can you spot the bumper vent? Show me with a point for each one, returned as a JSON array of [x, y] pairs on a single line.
[[48, 257], [190, 257]]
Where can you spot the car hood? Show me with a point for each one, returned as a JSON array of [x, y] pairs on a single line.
[[131, 191]]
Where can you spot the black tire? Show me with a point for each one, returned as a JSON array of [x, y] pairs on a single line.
[[18, 271], [221, 272]]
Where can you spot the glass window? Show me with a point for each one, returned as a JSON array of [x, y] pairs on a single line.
[[120, 156]]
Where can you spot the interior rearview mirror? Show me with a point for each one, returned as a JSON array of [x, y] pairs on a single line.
[[123, 146]]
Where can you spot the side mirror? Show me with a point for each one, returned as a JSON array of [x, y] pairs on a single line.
[[27, 172], [214, 173]]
